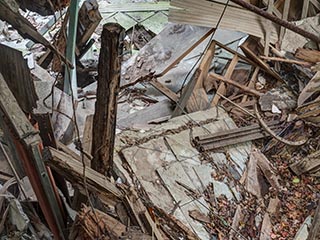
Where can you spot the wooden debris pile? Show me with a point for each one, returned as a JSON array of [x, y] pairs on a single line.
[[206, 129]]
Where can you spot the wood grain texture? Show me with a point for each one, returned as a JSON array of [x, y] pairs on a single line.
[[199, 100], [222, 87], [16, 73], [106, 105], [206, 13]]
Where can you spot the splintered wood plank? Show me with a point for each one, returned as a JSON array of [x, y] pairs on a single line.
[[72, 170], [266, 228], [13, 112], [305, 9], [222, 87], [213, 76], [89, 19], [268, 33], [199, 99], [92, 223], [206, 13]]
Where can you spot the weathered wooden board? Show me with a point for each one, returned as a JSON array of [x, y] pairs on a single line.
[[16, 73], [105, 115], [206, 13], [72, 170]]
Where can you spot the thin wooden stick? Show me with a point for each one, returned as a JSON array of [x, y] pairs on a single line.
[[268, 130], [238, 85], [277, 59], [236, 105]]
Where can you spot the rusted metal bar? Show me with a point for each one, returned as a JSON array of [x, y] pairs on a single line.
[[277, 20]]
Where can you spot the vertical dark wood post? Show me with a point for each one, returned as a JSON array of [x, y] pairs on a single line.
[[104, 121], [314, 232]]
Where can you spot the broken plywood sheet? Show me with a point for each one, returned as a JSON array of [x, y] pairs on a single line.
[[207, 14], [157, 55], [173, 173]]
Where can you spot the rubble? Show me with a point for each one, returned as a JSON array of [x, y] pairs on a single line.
[[159, 119]]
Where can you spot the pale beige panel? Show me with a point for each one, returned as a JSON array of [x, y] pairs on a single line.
[[204, 13]]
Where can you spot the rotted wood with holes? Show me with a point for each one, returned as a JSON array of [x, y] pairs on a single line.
[[106, 105]]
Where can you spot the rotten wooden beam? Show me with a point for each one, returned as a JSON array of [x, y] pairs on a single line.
[[94, 224], [106, 105]]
